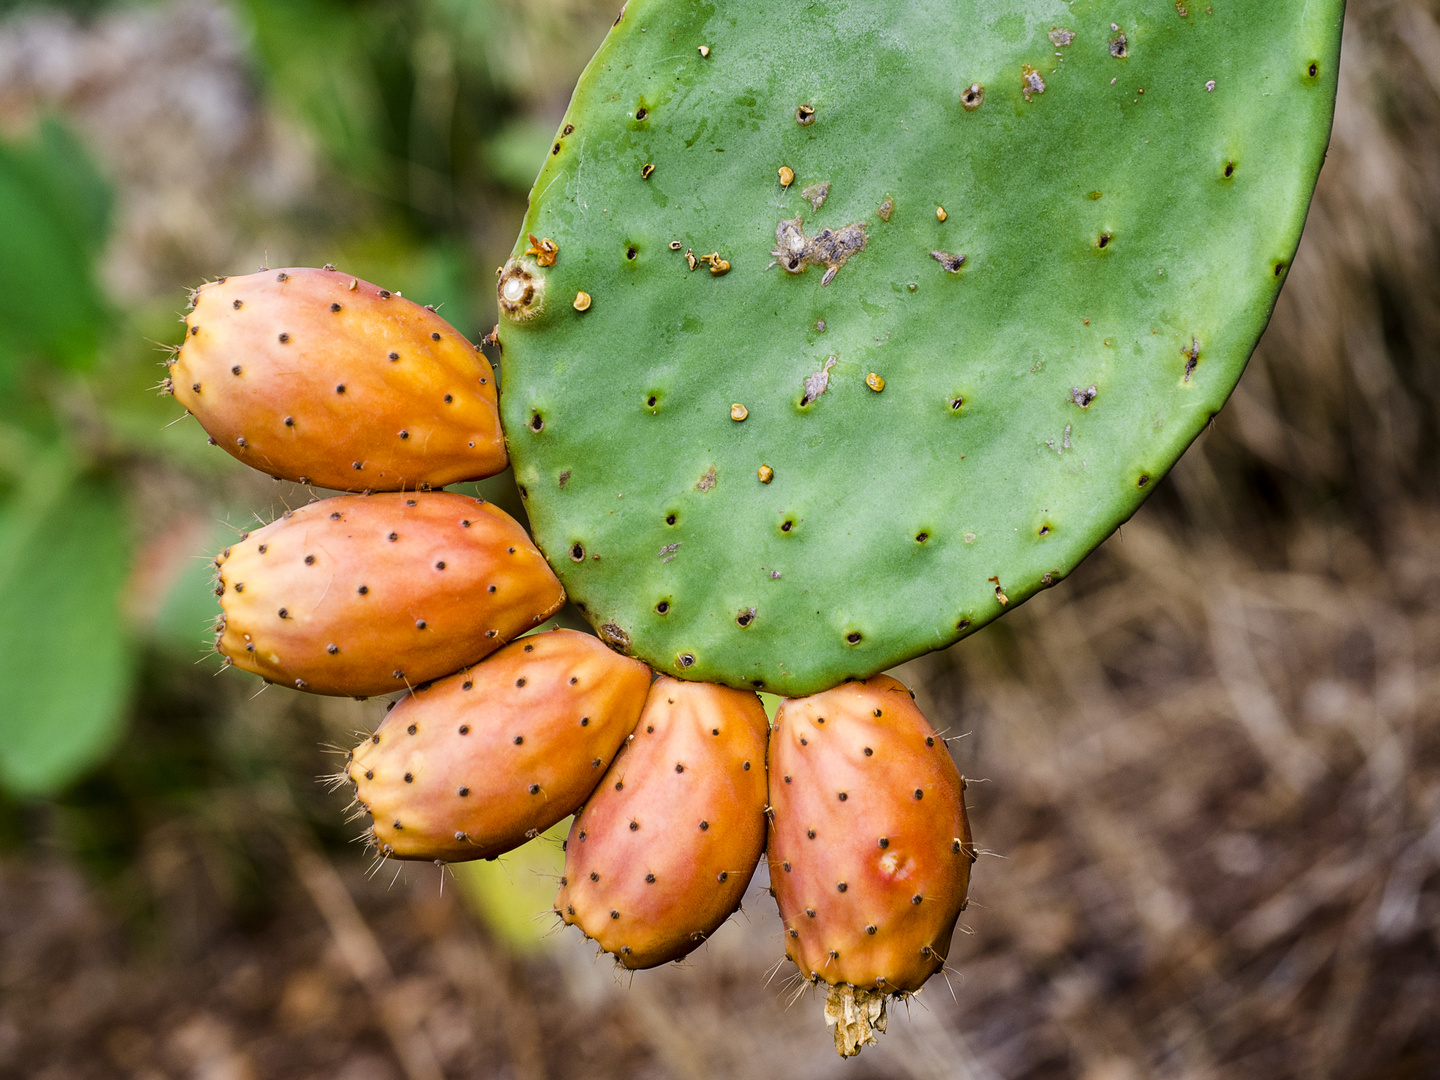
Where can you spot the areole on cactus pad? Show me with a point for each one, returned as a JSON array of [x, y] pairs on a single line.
[[832, 333]]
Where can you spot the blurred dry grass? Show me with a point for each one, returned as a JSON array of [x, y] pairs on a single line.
[[1209, 762]]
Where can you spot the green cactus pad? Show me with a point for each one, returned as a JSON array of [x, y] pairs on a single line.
[[1126, 182]]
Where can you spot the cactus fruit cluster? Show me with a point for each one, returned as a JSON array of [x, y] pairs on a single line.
[[1045, 238]]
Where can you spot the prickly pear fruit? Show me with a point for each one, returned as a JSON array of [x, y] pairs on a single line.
[[662, 853], [366, 594], [870, 847], [316, 376], [479, 762]]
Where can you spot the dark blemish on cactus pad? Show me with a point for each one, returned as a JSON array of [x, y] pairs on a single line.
[[746, 617], [1119, 45], [564, 478], [951, 263], [1084, 397], [1192, 358], [805, 115], [972, 97], [816, 194], [830, 248], [614, 636], [816, 383], [1104, 241], [1031, 83], [853, 637], [686, 660], [520, 291], [537, 422], [1144, 479]]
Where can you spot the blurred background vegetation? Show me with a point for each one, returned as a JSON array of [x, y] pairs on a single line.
[[1211, 759]]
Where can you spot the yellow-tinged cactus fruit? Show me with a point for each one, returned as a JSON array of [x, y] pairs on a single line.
[[316, 376], [368, 594], [477, 763], [662, 853], [870, 847]]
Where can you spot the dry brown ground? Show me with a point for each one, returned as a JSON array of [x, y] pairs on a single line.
[[1208, 764]]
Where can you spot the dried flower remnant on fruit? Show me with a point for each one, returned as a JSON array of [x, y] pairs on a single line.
[[545, 251], [830, 248], [1031, 83], [856, 1015], [951, 263]]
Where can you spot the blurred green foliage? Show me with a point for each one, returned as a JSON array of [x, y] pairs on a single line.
[[56, 208], [65, 663]]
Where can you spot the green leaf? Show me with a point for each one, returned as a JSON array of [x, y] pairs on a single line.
[[55, 207], [65, 664]]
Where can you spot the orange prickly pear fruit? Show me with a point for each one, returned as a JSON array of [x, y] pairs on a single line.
[[870, 847], [316, 376], [661, 854], [475, 764], [366, 594]]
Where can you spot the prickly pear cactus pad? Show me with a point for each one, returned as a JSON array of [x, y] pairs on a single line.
[[836, 329]]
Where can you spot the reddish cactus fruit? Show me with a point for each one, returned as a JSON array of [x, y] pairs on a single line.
[[662, 853], [870, 847], [476, 764], [316, 376], [368, 594]]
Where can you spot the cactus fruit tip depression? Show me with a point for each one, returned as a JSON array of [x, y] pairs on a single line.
[[827, 340]]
